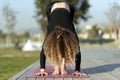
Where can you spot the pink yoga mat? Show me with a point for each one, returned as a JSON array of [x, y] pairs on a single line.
[[50, 69]]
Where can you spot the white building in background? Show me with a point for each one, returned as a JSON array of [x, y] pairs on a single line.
[[108, 36], [32, 46], [88, 27]]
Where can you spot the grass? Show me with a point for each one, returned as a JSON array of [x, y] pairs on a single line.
[[13, 61]]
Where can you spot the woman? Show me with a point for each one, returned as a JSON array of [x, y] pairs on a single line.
[[61, 44]]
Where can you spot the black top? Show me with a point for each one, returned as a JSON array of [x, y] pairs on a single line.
[[49, 7], [60, 17]]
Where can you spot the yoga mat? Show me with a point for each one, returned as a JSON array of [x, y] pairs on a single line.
[[50, 69]]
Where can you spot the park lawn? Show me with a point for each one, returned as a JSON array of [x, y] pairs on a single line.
[[13, 61]]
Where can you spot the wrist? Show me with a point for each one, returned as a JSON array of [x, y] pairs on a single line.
[[42, 70], [77, 70]]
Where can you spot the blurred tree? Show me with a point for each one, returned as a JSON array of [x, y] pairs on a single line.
[[10, 17], [1, 34], [81, 7], [93, 32], [109, 30], [113, 15], [27, 35], [1, 37], [13, 37]]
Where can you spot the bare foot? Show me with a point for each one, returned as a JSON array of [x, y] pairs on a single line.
[[56, 71], [64, 72], [77, 73], [41, 73]]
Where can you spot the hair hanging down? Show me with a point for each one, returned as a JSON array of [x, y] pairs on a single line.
[[61, 43]]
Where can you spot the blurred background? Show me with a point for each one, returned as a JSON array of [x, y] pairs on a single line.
[[21, 21], [23, 27]]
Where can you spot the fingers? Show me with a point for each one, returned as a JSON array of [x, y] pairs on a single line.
[[37, 74], [41, 74], [45, 74], [79, 74]]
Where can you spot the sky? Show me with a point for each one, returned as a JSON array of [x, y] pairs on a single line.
[[26, 10]]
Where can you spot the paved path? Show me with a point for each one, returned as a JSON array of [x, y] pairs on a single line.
[[100, 63]]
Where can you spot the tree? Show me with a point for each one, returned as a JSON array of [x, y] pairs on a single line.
[[10, 18], [94, 31], [113, 15], [27, 35], [81, 7], [1, 33], [109, 30]]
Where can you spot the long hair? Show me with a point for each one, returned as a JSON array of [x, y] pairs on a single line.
[[61, 43]]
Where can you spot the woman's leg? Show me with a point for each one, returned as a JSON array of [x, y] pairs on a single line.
[[63, 67]]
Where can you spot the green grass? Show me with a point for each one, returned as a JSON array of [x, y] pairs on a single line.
[[13, 61]]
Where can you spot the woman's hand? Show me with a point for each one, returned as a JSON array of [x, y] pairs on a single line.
[[77, 73], [41, 73]]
